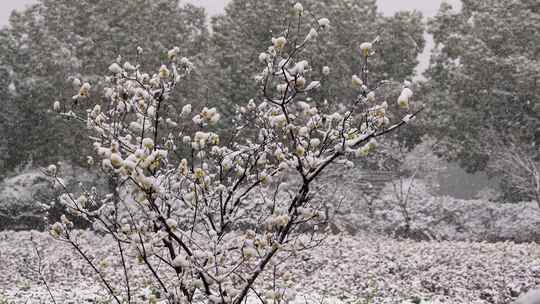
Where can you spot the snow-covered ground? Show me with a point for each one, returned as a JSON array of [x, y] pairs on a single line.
[[361, 269]]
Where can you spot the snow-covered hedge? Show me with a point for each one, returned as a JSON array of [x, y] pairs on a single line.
[[360, 269]]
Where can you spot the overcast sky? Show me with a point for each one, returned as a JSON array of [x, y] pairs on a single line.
[[388, 7]]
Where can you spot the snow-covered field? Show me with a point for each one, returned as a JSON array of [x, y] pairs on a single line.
[[360, 269]]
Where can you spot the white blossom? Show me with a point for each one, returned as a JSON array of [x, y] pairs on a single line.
[[263, 57], [366, 48], [116, 68], [357, 81], [326, 70], [279, 43], [51, 170], [324, 22], [56, 106], [298, 8], [186, 110], [148, 143], [172, 53]]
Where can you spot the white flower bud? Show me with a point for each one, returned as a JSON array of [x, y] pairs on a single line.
[[366, 48], [56, 106], [148, 143], [298, 8], [186, 110], [371, 96], [116, 68], [326, 70], [171, 54], [51, 169], [279, 43], [356, 81], [180, 261], [116, 160], [263, 57], [164, 72], [324, 22]]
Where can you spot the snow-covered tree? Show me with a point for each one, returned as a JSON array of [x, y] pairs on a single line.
[[485, 74], [217, 224], [519, 165], [55, 45], [246, 24]]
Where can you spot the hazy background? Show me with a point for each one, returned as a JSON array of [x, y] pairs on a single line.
[[388, 7]]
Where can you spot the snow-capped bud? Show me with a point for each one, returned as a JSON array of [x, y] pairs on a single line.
[[164, 72], [214, 118], [171, 54], [300, 151], [56, 106], [172, 223], [265, 179], [366, 48], [279, 43], [186, 110], [116, 160], [148, 143], [326, 70], [115, 68], [324, 22], [139, 50], [199, 173], [356, 81], [76, 82], [85, 90], [303, 131], [403, 102], [185, 61], [371, 96], [407, 92], [298, 8], [129, 67], [263, 57], [51, 169], [82, 201], [249, 252], [56, 229], [180, 261]]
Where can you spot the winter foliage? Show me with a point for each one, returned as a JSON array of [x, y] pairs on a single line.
[[277, 153]]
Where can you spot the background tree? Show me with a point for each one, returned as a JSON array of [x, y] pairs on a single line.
[[55, 45], [485, 74], [248, 24], [519, 165]]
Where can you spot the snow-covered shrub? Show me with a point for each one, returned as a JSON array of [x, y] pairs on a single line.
[[447, 218], [344, 269], [28, 202], [213, 216]]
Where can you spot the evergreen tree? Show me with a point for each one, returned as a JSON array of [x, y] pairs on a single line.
[[58, 44], [485, 74], [248, 23]]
